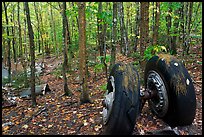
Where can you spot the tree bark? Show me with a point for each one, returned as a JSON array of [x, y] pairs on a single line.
[[38, 25], [19, 32], [144, 27], [189, 26], [82, 52], [174, 38], [168, 25], [124, 38], [157, 24], [66, 89], [137, 26], [32, 54], [13, 39], [54, 31], [99, 20], [9, 44], [114, 34]]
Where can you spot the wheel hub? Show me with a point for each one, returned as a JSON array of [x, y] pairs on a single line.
[[159, 103], [108, 102]]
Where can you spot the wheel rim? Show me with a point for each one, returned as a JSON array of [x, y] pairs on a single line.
[[159, 104], [108, 102]]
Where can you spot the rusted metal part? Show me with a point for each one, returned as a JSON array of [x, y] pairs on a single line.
[[148, 94]]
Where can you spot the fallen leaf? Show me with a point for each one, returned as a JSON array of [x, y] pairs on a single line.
[[25, 126]]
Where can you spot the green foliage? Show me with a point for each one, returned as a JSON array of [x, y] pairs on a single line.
[[135, 55], [19, 81], [99, 67], [57, 72], [153, 50], [103, 87]]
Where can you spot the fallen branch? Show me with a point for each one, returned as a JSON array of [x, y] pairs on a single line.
[[78, 129], [69, 103], [9, 105]]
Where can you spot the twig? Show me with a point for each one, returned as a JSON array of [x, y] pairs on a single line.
[[69, 103], [10, 105], [78, 129]]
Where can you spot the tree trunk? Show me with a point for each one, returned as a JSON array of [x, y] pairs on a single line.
[[13, 39], [9, 44], [66, 89], [124, 38], [38, 25], [144, 27], [174, 38], [114, 34], [23, 54], [157, 24], [189, 26], [182, 29], [137, 26], [168, 25], [54, 31], [19, 32], [41, 33], [99, 20], [32, 54], [82, 52]]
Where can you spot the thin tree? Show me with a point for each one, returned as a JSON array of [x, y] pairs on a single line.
[[174, 37], [82, 52], [190, 11], [123, 31], [157, 24], [13, 37], [32, 54], [38, 25], [168, 26], [66, 89], [114, 34], [99, 26], [144, 27], [8, 42], [137, 25], [54, 31]]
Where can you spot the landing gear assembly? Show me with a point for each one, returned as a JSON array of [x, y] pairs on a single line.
[[168, 89]]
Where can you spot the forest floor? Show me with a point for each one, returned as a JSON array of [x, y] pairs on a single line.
[[57, 114]]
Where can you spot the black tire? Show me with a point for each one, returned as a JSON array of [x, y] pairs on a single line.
[[180, 107], [125, 108]]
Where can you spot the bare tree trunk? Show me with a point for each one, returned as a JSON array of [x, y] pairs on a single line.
[[114, 34], [157, 23], [66, 89], [13, 40], [54, 31], [19, 32], [42, 33], [137, 26], [124, 38], [38, 25], [32, 54], [23, 54], [144, 27], [189, 26], [9, 44], [182, 29], [168, 25], [99, 20], [174, 38], [82, 52]]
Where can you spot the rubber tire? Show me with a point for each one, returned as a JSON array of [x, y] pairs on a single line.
[[125, 107], [182, 104]]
